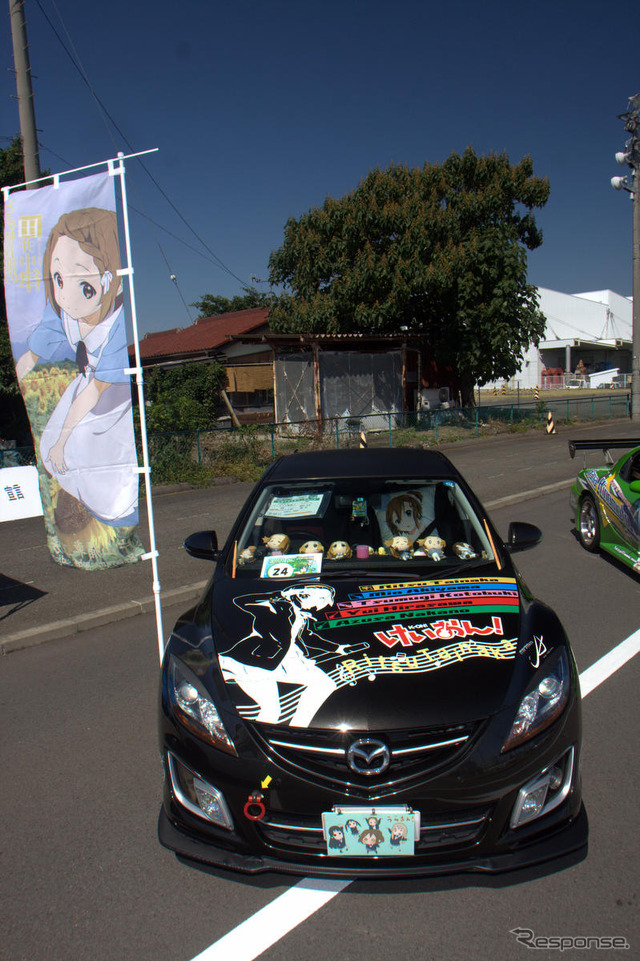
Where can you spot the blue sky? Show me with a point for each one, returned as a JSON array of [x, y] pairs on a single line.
[[262, 110]]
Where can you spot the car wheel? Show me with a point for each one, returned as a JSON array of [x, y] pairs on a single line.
[[589, 527]]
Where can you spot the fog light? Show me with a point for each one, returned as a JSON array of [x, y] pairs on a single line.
[[197, 795], [531, 803], [209, 800], [544, 792]]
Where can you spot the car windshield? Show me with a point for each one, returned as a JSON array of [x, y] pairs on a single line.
[[380, 525]]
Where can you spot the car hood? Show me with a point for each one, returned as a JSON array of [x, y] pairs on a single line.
[[367, 654]]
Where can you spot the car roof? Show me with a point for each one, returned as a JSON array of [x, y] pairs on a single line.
[[382, 462]]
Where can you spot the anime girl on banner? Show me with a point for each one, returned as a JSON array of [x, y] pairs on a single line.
[[68, 336]]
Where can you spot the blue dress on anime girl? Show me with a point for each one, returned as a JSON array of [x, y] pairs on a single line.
[[100, 454]]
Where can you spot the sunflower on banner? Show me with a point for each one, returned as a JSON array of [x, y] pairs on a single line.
[[68, 336]]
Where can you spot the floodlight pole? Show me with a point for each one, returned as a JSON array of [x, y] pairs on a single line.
[[631, 157]]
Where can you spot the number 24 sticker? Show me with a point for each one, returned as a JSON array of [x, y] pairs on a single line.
[[280, 570]]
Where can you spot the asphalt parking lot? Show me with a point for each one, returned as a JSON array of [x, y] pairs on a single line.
[[84, 877]]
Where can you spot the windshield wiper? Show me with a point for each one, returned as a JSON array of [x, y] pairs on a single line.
[[368, 572]]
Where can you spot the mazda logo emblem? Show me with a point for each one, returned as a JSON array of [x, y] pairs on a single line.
[[368, 757]]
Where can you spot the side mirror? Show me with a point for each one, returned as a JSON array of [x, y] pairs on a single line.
[[522, 536], [203, 545], [634, 486]]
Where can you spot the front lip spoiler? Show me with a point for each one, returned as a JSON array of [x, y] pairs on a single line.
[[569, 841]]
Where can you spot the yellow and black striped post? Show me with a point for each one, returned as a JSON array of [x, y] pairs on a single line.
[[551, 427], [363, 439], [504, 389], [537, 394]]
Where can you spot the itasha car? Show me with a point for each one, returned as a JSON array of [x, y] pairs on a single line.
[[391, 700]]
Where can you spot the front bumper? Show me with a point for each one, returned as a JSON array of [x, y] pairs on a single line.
[[466, 805], [464, 828], [568, 841]]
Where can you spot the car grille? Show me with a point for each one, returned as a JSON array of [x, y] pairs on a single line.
[[303, 833], [323, 754]]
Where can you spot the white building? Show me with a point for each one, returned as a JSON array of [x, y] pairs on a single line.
[[590, 331]]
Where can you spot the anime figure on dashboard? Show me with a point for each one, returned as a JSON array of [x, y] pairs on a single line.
[[339, 551], [464, 551], [401, 547], [312, 547], [276, 544], [433, 546], [248, 555]]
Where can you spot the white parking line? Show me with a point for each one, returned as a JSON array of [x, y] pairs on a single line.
[[253, 936], [272, 922], [609, 663]]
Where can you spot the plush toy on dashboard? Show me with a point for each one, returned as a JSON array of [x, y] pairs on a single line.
[[433, 546], [401, 547], [464, 551], [312, 547], [248, 554], [276, 544], [339, 551]]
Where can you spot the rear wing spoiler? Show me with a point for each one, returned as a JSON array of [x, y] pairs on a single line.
[[603, 445]]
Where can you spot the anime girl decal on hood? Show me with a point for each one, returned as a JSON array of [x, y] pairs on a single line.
[[283, 648]]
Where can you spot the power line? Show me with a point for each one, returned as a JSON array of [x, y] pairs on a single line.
[[75, 60], [141, 213]]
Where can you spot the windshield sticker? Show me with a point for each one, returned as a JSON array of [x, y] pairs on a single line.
[[288, 666], [296, 505], [288, 565]]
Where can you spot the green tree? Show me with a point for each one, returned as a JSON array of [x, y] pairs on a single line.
[[213, 304], [438, 250], [185, 397]]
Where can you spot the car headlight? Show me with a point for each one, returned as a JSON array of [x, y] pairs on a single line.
[[542, 704], [195, 709]]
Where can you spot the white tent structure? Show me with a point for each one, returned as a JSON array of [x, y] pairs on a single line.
[[588, 332]]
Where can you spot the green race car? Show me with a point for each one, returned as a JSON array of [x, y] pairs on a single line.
[[606, 501]]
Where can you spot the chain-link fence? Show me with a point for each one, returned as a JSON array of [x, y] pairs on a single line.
[[199, 456], [244, 452]]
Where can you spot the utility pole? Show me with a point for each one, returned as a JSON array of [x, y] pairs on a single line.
[[27, 114], [631, 157]]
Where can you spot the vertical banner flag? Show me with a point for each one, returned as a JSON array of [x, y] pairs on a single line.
[[69, 341]]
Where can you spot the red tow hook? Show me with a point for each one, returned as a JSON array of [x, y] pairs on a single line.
[[254, 809]]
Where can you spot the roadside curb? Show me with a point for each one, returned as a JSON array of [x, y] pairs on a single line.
[[107, 615], [527, 495], [120, 612]]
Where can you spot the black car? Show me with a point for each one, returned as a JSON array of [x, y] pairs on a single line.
[[367, 687]]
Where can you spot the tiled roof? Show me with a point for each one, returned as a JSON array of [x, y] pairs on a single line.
[[207, 335]]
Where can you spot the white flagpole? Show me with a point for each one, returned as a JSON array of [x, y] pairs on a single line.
[[119, 171], [65, 173]]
